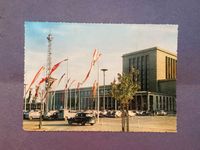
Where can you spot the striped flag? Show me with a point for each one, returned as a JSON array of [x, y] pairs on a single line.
[[94, 88], [35, 77], [87, 76], [36, 91], [56, 66], [96, 56], [43, 79]]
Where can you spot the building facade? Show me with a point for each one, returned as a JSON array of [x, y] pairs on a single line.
[[157, 79], [82, 99]]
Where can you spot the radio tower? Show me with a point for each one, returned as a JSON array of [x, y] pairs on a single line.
[[47, 87], [49, 38], [48, 82]]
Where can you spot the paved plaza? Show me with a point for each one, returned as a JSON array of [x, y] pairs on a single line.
[[137, 124]]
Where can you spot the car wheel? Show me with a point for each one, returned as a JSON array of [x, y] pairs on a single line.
[[69, 122], [91, 124]]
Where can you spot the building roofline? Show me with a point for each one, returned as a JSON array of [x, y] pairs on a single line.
[[83, 88], [150, 49]]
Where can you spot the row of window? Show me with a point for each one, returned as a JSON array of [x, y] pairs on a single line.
[[142, 64], [170, 68]]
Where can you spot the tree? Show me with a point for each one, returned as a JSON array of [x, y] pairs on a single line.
[[123, 91]]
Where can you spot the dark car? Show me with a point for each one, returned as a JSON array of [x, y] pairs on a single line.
[[82, 118]]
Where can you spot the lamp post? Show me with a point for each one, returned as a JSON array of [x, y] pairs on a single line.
[[104, 70], [25, 97], [66, 95]]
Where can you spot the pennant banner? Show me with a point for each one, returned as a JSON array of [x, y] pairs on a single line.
[[56, 66], [94, 88], [35, 78], [36, 91], [95, 57], [60, 79], [67, 83]]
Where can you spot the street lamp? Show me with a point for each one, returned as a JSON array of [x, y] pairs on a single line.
[[104, 70], [25, 97], [66, 91]]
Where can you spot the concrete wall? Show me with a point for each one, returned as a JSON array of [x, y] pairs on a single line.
[[161, 64]]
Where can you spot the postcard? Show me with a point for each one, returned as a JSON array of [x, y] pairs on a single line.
[[100, 77]]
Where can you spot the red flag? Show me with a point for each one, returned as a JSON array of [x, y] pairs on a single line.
[[96, 56], [36, 91], [43, 79], [56, 66], [94, 88], [35, 78], [87, 76], [51, 83]]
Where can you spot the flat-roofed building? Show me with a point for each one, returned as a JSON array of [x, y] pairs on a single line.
[[157, 78]]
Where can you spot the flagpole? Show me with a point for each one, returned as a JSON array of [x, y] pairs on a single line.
[[98, 92], [66, 101], [25, 97], [79, 99], [54, 101], [70, 100], [75, 99]]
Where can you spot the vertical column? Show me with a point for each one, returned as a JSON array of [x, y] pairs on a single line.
[[166, 103], [154, 102], [169, 108], [111, 102], [172, 68], [115, 104], [148, 102], [163, 103], [136, 103], [142, 102], [167, 100]]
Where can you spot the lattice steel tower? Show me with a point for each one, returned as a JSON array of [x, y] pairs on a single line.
[[49, 38]]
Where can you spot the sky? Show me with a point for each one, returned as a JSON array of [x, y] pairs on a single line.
[[77, 41]]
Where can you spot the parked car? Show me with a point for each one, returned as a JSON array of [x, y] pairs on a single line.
[[103, 113], [142, 113], [25, 114], [161, 113], [53, 114], [82, 118], [118, 114], [131, 113], [34, 114]]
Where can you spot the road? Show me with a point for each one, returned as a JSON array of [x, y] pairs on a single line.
[[137, 124]]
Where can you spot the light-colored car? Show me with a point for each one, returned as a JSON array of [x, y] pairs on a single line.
[[34, 114], [118, 114], [131, 113], [161, 113], [52, 114]]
